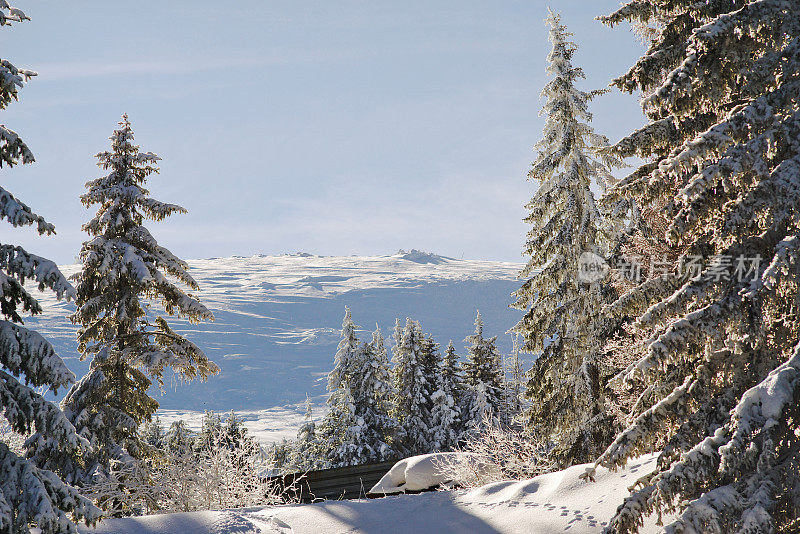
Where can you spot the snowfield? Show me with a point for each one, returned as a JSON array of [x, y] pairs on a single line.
[[555, 502], [278, 320]]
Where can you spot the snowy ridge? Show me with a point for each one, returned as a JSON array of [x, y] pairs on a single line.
[[555, 502], [278, 320]]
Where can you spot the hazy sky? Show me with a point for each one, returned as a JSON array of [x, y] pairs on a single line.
[[331, 127]]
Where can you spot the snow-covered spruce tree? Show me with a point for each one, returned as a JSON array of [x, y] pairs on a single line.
[[338, 432], [153, 433], [562, 313], [483, 378], [451, 372], [446, 422], [412, 403], [358, 427], [337, 429], [306, 451], [374, 397], [29, 495], [179, 438], [124, 272], [514, 383], [720, 376]]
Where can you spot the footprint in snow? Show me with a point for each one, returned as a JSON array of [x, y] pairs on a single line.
[[277, 526], [233, 523]]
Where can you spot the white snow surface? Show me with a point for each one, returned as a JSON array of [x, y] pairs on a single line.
[[268, 426], [278, 320], [555, 502], [421, 472]]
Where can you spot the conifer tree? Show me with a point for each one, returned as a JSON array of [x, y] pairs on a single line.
[[562, 321], [451, 373], [210, 427], [358, 427], [720, 374], [306, 451], [483, 377], [153, 433], [124, 272], [179, 439], [411, 407], [374, 398], [337, 431], [30, 496], [337, 428], [446, 416]]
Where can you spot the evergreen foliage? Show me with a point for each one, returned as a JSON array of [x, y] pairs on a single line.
[[719, 379], [358, 429], [446, 417], [413, 389], [122, 266], [562, 321], [306, 449], [30, 496], [483, 377], [373, 398]]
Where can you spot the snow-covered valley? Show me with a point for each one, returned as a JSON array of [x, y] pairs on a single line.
[[278, 320]]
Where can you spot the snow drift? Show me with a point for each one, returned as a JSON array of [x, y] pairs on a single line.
[[423, 472], [555, 502]]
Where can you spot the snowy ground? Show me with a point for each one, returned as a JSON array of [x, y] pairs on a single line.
[[278, 320], [556, 502], [267, 426]]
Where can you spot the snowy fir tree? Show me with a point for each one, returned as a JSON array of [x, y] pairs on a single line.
[[562, 320], [446, 426], [514, 382], [358, 428], [153, 433], [30, 496], [179, 438], [338, 432], [306, 447], [452, 378], [483, 378], [338, 428], [412, 404], [210, 427], [124, 272], [719, 381], [373, 396]]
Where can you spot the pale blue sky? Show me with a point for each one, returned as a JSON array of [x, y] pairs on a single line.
[[331, 127]]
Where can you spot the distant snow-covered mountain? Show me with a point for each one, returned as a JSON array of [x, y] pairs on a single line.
[[278, 318]]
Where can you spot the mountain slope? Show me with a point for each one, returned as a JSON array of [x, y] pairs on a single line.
[[278, 318]]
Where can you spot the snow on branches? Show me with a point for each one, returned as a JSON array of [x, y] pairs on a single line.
[[124, 272], [562, 313], [717, 380]]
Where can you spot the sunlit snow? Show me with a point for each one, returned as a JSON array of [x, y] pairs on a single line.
[[278, 320]]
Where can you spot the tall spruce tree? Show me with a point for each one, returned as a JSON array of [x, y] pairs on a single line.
[[374, 397], [358, 428], [305, 451], [412, 404], [483, 378], [125, 271], [30, 496], [337, 429], [720, 374], [562, 317], [446, 414]]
